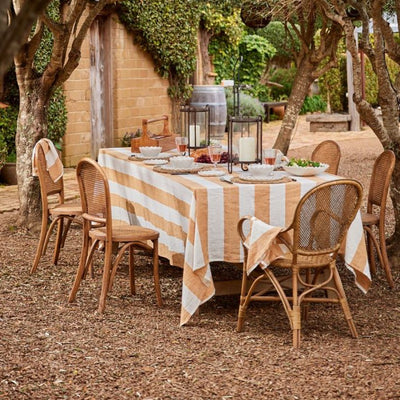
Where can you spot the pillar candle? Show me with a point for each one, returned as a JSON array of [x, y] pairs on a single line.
[[194, 135], [247, 149]]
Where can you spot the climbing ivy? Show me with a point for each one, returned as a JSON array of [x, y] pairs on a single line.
[[167, 30]]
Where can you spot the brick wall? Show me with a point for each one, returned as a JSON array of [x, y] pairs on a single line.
[[137, 92]]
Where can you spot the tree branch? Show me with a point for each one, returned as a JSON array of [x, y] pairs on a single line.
[[18, 31]]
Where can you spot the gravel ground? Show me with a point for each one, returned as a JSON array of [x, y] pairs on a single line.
[[54, 350]]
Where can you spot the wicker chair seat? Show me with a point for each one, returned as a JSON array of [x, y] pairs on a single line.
[[125, 234], [66, 209], [369, 219], [304, 261]]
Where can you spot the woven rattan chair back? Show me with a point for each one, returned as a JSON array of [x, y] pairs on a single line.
[[324, 215], [376, 212], [380, 179], [328, 152], [47, 186], [95, 193]]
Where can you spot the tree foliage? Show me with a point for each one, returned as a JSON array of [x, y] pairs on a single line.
[[168, 32], [284, 39]]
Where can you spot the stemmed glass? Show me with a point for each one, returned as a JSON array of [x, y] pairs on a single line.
[[181, 144], [215, 151]]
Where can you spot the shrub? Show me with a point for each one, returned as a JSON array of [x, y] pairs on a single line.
[[285, 77], [8, 128], [249, 106], [313, 104]]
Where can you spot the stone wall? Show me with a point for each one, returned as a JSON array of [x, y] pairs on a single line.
[[137, 92]]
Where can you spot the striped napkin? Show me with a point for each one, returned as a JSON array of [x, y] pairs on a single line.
[[53, 163], [262, 244]]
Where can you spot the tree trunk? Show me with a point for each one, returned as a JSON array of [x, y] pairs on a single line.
[[206, 66], [301, 85], [31, 126]]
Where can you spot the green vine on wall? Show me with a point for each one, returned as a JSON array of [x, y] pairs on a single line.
[[167, 30]]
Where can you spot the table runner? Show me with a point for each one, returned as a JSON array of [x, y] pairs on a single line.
[[197, 217]]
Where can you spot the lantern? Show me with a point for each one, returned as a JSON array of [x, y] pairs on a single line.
[[196, 126], [244, 141]]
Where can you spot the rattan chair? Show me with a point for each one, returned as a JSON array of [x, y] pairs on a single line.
[[320, 223], [377, 197], [96, 206], [59, 214], [328, 152]]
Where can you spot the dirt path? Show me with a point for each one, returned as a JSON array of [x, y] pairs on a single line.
[[50, 349]]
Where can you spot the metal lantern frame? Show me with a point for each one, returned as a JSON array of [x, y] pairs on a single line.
[[191, 116], [233, 121]]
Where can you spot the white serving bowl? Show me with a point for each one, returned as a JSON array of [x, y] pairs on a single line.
[[181, 162], [305, 171], [150, 151], [260, 169]]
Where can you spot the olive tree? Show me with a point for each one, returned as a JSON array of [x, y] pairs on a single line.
[[378, 41], [68, 23], [313, 54]]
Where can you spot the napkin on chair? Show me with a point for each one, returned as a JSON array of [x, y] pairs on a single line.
[[53, 163], [262, 244]]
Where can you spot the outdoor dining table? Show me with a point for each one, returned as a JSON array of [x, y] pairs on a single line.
[[197, 216]]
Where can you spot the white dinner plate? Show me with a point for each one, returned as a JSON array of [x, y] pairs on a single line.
[[211, 172], [155, 162], [269, 178], [194, 167], [160, 156]]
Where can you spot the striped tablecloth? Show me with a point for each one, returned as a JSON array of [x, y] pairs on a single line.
[[197, 217]]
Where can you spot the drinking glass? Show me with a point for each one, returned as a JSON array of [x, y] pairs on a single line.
[[269, 156], [181, 144], [215, 151]]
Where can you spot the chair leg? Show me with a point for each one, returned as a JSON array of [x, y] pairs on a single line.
[[106, 277], [242, 309], [296, 311], [39, 250], [59, 240], [385, 260], [156, 272], [81, 269], [344, 303], [132, 270], [241, 315], [370, 249], [296, 320], [66, 229]]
